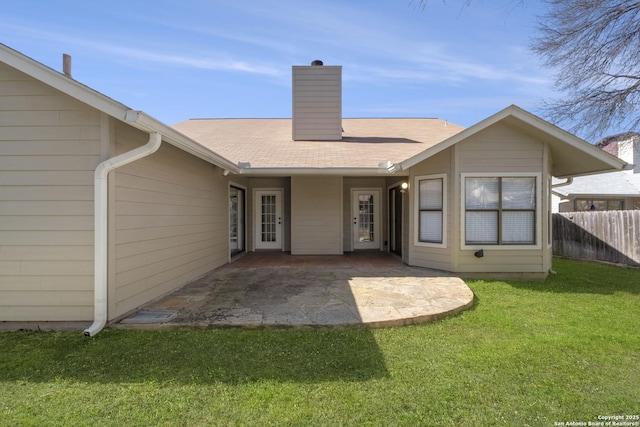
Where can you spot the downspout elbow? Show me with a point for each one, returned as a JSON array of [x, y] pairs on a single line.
[[569, 181], [101, 226]]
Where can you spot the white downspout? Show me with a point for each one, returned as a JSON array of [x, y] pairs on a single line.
[[100, 226]]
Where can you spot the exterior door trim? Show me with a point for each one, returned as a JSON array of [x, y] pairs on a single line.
[[355, 219], [278, 243]]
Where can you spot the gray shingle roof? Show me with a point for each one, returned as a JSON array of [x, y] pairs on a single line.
[[267, 143]]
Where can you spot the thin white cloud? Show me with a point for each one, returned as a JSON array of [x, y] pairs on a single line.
[[201, 61], [444, 70], [364, 38], [373, 47], [378, 50]]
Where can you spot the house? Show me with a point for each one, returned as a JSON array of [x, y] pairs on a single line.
[[104, 208], [608, 191]]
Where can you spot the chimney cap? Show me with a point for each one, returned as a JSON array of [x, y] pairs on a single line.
[[317, 63]]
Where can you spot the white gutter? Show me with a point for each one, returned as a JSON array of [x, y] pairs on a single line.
[[100, 226]]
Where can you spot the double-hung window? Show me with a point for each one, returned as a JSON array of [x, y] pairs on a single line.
[[430, 219], [500, 210]]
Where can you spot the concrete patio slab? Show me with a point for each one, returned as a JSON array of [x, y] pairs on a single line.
[[277, 289]]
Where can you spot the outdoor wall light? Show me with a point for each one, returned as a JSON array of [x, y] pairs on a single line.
[[403, 187], [479, 254]]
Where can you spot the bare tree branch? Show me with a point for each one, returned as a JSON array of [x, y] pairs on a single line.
[[594, 48]]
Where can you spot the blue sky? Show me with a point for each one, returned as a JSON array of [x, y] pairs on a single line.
[[184, 59]]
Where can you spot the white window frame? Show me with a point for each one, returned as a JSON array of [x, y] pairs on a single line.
[[538, 211], [416, 210], [549, 234]]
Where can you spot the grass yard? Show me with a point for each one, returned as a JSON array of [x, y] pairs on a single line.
[[528, 353]]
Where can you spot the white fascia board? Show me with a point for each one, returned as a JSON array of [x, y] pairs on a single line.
[[147, 123], [570, 139], [109, 106], [532, 120]]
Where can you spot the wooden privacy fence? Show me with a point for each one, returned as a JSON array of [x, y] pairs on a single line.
[[612, 236]]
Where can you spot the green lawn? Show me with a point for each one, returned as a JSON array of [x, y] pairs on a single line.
[[528, 353]]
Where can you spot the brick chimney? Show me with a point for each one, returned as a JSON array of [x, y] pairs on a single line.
[[317, 102]]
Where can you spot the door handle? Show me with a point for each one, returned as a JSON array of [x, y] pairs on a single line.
[[355, 220], [279, 220]]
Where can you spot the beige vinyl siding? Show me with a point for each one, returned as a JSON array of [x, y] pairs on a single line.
[[316, 215], [525, 261], [429, 256], [363, 183], [500, 149], [50, 144], [317, 103], [171, 222]]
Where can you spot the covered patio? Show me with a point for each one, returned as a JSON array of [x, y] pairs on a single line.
[[277, 289]]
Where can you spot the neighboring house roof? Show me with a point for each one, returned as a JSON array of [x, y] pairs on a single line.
[[614, 184], [609, 144], [366, 143], [113, 108], [621, 184]]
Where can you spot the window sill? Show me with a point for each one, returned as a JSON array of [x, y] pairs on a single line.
[[501, 247], [430, 245]]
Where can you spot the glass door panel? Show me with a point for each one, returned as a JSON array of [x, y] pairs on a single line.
[[366, 219], [268, 219]]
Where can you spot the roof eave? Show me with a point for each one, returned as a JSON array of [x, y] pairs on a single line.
[[143, 121], [608, 162], [115, 109], [338, 171], [62, 83]]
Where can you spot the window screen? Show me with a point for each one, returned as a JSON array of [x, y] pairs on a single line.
[[430, 210], [500, 210]]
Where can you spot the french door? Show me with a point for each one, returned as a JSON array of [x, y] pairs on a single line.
[[365, 213], [268, 219], [236, 220], [395, 220]]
